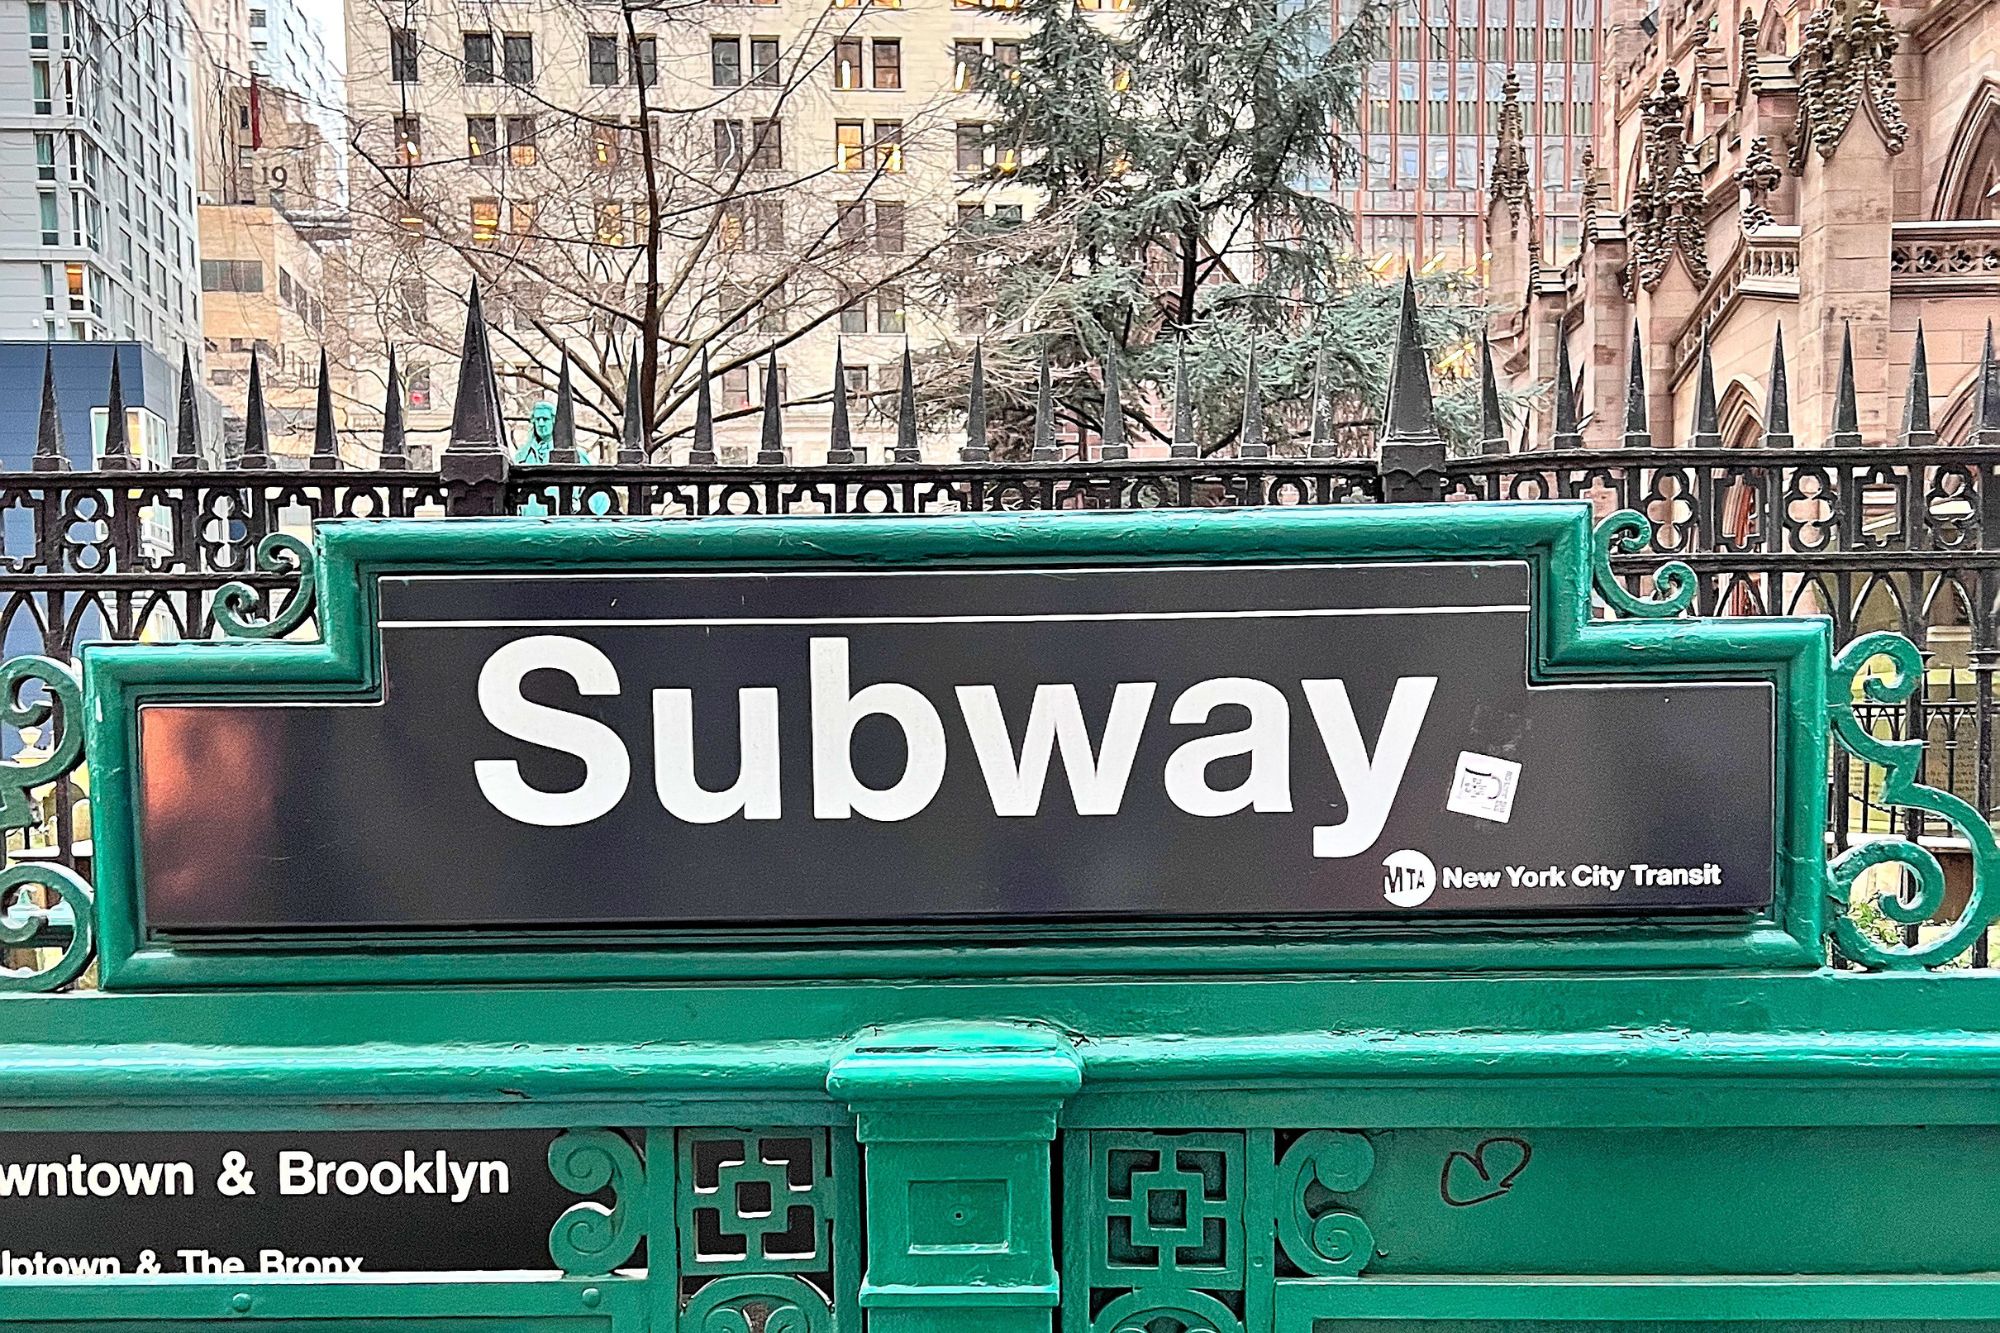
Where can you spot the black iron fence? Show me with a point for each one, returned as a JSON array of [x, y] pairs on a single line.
[[1903, 535]]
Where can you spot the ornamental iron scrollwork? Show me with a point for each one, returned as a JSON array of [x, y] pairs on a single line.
[[1629, 532], [1901, 762], [23, 919], [1154, 1310], [239, 607], [589, 1239], [1319, 1235], [758, 1303]]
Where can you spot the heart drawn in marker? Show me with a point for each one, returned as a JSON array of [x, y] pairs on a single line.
[[1487, 1172]]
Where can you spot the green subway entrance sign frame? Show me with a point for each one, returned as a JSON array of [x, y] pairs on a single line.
[[1554, 544], [1347, 1121]]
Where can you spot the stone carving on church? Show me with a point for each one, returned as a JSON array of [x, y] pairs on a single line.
[[1757, 177], [1665, 217], [1749, 38], [1510, 158], [1846, 57]]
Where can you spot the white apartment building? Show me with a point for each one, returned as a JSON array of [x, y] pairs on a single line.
[[290, 49], [97, 193], [802, 154]]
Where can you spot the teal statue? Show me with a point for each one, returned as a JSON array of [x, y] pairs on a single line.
[[541, 439]]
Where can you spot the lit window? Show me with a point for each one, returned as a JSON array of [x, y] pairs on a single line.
[[610, 222], [521, 217], [409, 134], [521, 149], [485, 221], [847, 141], [964, 61], [889, 145], [847, 63]]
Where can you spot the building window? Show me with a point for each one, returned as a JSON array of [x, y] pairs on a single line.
[[768, 154], [965, 56], [45, 157], [517, 54], [402, 55], [44, 96], [889, 228], [38, 25], [736, 389], [478, 57], [485, 221], [610, 222], [725, 61], [889, 145], [645, 61], [232, 275], [603, 61], [482, 136], [888, 69], [1007, 55], [970, 141], [604, 146], [409, 135], [847, 146], [521, 147], [419, 395], [764, 71], [51, 230], [415, 297], [847, 63], [854, 314], [729, 145], [889, 310], [521, 217]]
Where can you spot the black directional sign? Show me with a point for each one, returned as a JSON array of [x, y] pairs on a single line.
[[799, 746]]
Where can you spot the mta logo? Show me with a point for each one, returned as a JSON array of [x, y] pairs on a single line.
[[1408, 878]]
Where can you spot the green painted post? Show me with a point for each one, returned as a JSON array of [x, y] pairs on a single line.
[[957, 1123]]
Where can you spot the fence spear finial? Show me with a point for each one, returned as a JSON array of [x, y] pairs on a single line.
[[907, 448], [394, 453], [1917, 430], [1638, 430], [703, 452], [562, 431], [976, 449], [1986, 430], [839, 434], [1183, 444], [1409, 415], [1250, 442], [1492, 426], [256, 429], [1566, 435], [771, 434], [1846, 411], [632, 431], [326, 445], [117, 439], [49, 455], [1707, 422], [1778, 397], [1045, 416], [187, 428], [1322, 444], [475, 412], [1112, 447]]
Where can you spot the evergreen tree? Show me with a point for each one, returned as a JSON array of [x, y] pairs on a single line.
[[1181, 152]]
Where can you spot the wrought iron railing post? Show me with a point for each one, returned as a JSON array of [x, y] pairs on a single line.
[[1411, 459], [473, 467]]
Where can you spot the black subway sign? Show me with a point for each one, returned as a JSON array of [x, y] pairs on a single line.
[[956, 744]]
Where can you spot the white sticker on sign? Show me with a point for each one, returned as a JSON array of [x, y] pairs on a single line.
[[1483, 787]]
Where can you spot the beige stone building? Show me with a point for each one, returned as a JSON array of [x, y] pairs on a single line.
[[769, 178], [1830, 169]]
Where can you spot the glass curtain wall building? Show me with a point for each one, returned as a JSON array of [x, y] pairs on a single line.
[[1432, 111]]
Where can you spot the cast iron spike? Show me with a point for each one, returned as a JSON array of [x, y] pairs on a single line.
[[771, 439], [326, 446], [1566, 434], [1250, 441], [632, 430], [475, 411], [117, 442], [1778, 397], [256, 454], [907, 448], [187, 429], [562, 431], [1492, 426], [1917, 431], [976, 449], [1409, 416], [49, 455], [840, 437], [1183, 444], [1638, 431], [703, 452], [1707, 423], [394, 454], [1987, 430], [1322, 444], [1113, 448], [1846, 412], [1045, 417]]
